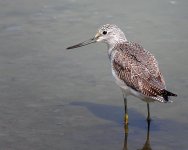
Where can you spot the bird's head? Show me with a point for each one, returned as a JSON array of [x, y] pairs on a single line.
[[108, 33]]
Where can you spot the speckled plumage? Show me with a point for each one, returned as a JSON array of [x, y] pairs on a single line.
[[138, 69], [135, 69]]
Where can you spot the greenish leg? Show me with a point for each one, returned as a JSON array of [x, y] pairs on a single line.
[[148, 117], [126, 118]]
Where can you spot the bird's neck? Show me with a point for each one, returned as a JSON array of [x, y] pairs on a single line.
[[112, 43]]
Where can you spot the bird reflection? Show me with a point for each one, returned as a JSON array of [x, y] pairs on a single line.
[[146, 146], [125, 147]]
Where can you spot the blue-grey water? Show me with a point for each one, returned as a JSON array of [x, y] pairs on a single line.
[[53, 99]]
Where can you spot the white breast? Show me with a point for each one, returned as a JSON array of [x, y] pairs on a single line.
[[126, 89], [119, 82]]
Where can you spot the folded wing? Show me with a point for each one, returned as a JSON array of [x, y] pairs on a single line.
[[138, 69]]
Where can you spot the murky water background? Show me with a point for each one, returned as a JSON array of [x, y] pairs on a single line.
[[53, 99]]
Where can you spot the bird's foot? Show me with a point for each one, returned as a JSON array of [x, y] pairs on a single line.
[[126, 118]]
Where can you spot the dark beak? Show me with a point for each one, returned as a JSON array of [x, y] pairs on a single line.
[[92, 40]]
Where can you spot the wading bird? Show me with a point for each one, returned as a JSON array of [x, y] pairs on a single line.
[[134, 68]]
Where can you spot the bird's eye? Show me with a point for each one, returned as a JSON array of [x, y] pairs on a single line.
[[104, 32]]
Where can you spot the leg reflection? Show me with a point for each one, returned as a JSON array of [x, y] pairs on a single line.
[[125, 147], [146, 146]]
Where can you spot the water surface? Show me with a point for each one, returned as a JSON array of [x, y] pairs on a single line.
[[55, 99]]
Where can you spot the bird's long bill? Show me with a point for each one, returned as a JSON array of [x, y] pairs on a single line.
[[92, 40]]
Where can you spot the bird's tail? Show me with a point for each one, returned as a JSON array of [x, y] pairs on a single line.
[[166, 94]]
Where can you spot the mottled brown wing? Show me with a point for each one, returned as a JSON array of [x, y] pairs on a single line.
[[144, 57], [136, 74]]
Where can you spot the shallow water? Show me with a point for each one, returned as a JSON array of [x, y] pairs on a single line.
[[51, 98]]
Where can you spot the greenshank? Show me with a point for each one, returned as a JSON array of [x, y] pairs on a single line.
[[134, 68]]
